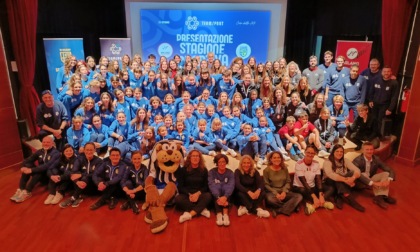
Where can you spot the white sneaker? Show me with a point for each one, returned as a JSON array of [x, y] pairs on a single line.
[[262, 213], [185, 217], [205, 213], [16, 195], [223, 152], [260, 163], [57, 198], [219, 219], [23, 196], [242, 211], [226, 221], [323, 153], [49, 199], [212, 153], [232, 152]]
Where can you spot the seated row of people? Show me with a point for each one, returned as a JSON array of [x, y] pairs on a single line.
[[198, 187]]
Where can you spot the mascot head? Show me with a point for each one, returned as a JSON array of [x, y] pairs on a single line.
[[166, 157]]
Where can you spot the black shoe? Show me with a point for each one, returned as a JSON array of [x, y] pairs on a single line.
[[135, 208], [339, 202], [274, 213], [97, 204], [125, 206], [379, 200], [353, 203], [112, 203], [389, 200]]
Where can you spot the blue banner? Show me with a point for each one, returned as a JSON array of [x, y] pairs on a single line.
[[56, 50], [228, 34], [115, 48]]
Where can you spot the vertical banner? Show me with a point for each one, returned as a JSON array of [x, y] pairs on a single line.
[[355, 52], [115, 48], [56, 50], [228, 34]]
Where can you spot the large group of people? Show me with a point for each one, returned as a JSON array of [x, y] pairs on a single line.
[[266, 112]]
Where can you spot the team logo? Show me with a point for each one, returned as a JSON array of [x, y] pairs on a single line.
[[64, 53], [165, 49], [115, 49], [192, 23], [243, 50], [352, 53]]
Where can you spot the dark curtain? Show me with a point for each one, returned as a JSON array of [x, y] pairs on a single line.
[[22, 21], [395, 24]]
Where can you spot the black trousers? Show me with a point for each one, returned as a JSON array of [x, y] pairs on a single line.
[[183, 203]]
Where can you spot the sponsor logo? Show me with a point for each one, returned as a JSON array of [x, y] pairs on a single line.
[[192, 23]]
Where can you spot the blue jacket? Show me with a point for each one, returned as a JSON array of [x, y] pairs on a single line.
[[104, 131], [340, 115], [125, 108], [233, 125], [208, 136], [46, 159], [86, 167], [134, 178], [52, 117], [121, 130], [109, 174], [74, 137], [184, 137], [222, 86], [355, 90], [335, 80], [251, 106], [244, 140]]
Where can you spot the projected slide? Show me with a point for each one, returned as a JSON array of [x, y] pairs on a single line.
[[196, 32]]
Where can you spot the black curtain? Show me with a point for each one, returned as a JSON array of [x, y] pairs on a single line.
[[333, 20], [88, 19]]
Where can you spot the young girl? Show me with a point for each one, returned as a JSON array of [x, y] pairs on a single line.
[[71, 98], [315, 107], [168, 121], [162, 86], [266, 90], [168, 106], [252, 103], [115, 84], [260, 74], [200, 112], [279, 105], [99, 134], [232, 124], [276, 74], [155, 108], [211, 114], [249, 142], [188, 69], [222, 102], [205, 81], [157, 121], [86, 111], [295, 107], [237, 101], [138, 125], [205, 98], [287, 87], [129, 92], [293, 73], [118, 134], [304, 91], [225, 83], [191, 120], [327, 134], [114, 67], [203, 139], [290, 140], [178, 86], [339, 114], [181, 102], [162, 133], [181, 133], [219, 135], [125, 61], [78, 135], [216, 68], [122, 105], [137, 101], [191, 86], [59, 176], [149, 85], [125, 79], [266, 106], [92, 91], [144, 143], [163, 68], [105, 109], [133, 182], [91, 64]]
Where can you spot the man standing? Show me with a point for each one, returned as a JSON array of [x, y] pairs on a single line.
[[369, 165], [328, 64], [315, 75], [372, 74], [51, 118], [334, 80], [383, 97], [354, 89]]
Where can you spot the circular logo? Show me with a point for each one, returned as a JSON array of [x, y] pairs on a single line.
[[352, 53], [165, 49], [243, 50]]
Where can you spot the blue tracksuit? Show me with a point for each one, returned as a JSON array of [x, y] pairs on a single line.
[[222, 86], [78, 138], [125, 108], [251, 106]]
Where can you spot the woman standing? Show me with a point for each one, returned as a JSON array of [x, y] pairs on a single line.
[[341, 174], [250, 189], [277, 185], [194, 195], [221, 183]]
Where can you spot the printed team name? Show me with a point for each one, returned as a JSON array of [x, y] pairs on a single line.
[[212, 23]]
